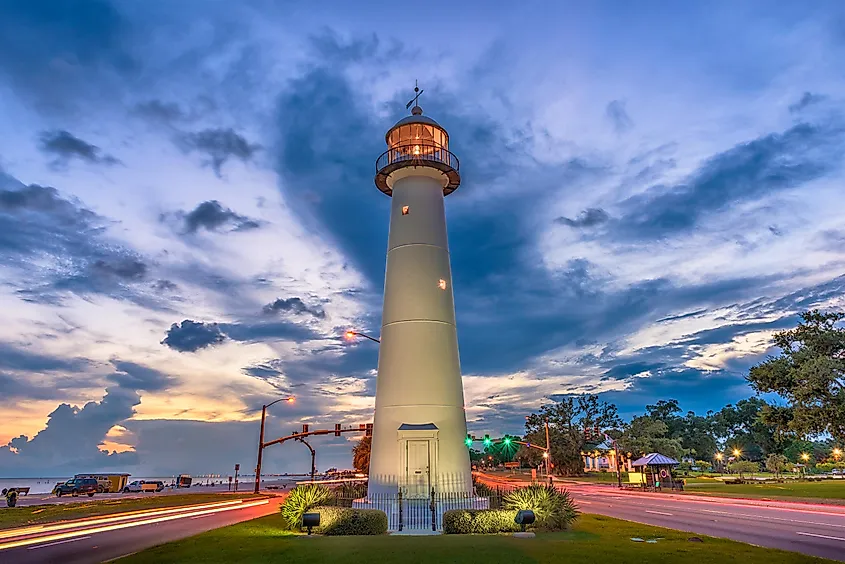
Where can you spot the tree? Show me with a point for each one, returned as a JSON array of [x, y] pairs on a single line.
[[776, 464], [361, 455], [743, 467], [703, 465], [644, 435], [809, 373], [572, 420], [742, 427]]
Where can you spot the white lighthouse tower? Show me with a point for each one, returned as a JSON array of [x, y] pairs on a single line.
[[420, 425]]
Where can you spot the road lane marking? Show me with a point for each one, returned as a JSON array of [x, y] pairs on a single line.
[[117, 526], [659, 513], [820, 536], [59, 542], [51, 527], [765, 517]]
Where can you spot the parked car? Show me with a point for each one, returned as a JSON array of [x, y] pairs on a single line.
[[139, 486], [77, 486]]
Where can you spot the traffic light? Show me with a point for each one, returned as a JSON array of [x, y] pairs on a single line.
[[337, 429], [468, 441], [487, 441]]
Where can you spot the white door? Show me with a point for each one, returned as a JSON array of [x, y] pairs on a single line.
[[418, 468]]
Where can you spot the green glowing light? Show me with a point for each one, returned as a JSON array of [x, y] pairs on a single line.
[[468, 441]]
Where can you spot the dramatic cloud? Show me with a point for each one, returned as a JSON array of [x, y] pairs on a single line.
[[219, 145], [587, 218], [70, 242], [64, 147], [191, 336], [295, 306], [71, 438], [212, 216], [807, 100], [618, 116], [763, 166], [133, 376]]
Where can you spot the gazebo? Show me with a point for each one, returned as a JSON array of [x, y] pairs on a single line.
[[657, 469]]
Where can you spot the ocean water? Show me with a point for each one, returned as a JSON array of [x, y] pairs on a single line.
[[45, 485]]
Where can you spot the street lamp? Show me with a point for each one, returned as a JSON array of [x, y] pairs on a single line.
[[737, 452], [289, 399], [352, 334], [837, 452], [805, 457]]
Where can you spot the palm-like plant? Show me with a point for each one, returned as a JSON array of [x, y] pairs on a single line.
[[555, 510], [301, 500], [361, 455]]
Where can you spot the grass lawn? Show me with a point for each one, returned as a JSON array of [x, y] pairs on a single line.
[[829, 489], [38, 514], [594, 539]]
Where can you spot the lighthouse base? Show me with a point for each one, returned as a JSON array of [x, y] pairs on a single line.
[[420, 513]]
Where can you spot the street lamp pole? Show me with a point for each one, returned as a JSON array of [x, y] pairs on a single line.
[[313, 456], [289, 399], [350, 334]]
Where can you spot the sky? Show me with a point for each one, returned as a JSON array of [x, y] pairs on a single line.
[[188, 220]]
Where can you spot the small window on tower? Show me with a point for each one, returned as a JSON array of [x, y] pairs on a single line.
[[406, 210], [442, 284]]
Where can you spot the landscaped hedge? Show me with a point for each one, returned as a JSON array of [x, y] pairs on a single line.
[[347, 521], [479, 521]]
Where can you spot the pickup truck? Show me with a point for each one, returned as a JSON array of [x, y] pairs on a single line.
[[77, 486]]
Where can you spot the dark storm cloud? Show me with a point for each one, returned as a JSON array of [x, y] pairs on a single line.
[[295, 306], [219, 145], [64, 147], [211, 215], [760, 167], [618, 116], [191, 336], [71, 438], [133, 376], [587, 218], [807, 100]]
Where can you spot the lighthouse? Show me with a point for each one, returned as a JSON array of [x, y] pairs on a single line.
[[419, 426]]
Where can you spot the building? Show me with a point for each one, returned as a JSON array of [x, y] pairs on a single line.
[[419, 425]]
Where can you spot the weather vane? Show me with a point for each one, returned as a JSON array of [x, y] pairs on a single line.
[[415, 100]]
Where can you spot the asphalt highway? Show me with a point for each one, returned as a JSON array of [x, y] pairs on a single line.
[[817, 530], [97, 539]]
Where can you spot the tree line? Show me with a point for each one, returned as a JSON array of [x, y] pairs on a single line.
[[806, 425]]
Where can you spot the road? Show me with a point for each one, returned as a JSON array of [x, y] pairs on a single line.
[[97, 539], [817, 530]]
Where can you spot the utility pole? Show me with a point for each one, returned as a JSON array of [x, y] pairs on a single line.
[[548, 449], [260, 451], [618, 462]]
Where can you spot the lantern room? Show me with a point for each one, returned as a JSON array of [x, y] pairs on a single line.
[[417, 142]]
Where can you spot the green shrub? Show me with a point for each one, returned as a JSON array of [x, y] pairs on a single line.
[[346, 521], [301, 500], [479, 521], [555, 510]]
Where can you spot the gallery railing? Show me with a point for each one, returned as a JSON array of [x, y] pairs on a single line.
[[417, 152]]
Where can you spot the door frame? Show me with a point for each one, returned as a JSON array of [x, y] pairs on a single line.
[[425, 432]]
